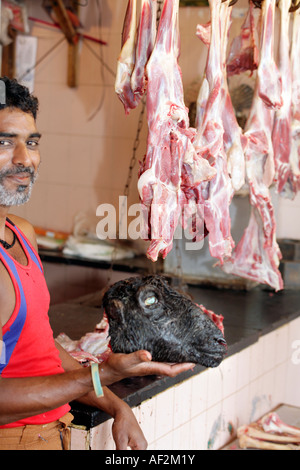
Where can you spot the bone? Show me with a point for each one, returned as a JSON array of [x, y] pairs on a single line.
[[272, 422], [254, 432], [247, 442]]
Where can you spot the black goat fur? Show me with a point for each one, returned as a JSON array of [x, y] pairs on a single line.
[[146, 313]]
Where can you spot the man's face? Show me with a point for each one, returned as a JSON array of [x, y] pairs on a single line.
[[19, 156]]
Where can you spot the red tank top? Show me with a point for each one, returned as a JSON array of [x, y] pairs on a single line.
[[29, 349]]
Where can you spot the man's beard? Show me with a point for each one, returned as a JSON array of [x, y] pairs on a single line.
[[22, 193]]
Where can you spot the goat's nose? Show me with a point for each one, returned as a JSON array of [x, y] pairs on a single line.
[[220, 340]]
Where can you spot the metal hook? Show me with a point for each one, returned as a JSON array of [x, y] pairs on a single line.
[[294, 6], [257, 3], [233, 2]]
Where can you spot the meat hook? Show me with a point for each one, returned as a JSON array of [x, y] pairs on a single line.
[[295, 5], [257, 3], [233, 2]]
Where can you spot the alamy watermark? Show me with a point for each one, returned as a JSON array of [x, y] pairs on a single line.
[[159, 222], [296, 353]]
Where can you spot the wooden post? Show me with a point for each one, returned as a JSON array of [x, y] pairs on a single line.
[[73, 56], [71, 36], [9, 56]]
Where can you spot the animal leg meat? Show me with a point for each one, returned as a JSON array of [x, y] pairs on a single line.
[[270, 83]]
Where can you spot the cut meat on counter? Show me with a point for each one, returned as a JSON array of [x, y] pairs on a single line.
[[171, 157]]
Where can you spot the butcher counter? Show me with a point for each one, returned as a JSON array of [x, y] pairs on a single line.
[[262, 370]]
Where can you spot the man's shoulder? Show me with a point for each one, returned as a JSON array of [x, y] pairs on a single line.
[[25, 226]]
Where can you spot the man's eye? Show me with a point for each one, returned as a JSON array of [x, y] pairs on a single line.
[[3, 143], [32, 143]]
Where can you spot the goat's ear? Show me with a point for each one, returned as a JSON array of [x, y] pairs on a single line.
[[116, 311]]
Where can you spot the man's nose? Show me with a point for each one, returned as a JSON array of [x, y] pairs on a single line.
[[21, 155]]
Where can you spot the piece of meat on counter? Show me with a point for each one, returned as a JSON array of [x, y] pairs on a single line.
[[146, 313]]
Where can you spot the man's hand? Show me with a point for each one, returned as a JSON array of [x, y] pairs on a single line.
[[139, 363], [126, 430]]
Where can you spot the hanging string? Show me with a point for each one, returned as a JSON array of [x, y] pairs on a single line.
[[41, 59], [101, 69]]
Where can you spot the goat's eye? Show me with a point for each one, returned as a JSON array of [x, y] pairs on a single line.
[[151, 300]]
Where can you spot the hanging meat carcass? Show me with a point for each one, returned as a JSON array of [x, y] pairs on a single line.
[[243, 54], [215, 195], [234, 140], [171, 163], [137, 45], [257, 255], [282, 135], [292, 185], [270, 82]]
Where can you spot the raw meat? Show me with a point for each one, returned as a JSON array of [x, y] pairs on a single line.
[[270, 83], [204, 33], [126, 60], [215, 195], [282, 136], [243, 55], [257, 255], [171, 162], [292, 185], [144, 45], [234, 140], [92, 347]]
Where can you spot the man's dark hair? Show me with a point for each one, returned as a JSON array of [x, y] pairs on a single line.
[[17, 96]]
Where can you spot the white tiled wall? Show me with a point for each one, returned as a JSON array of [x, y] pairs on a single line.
[[205, 411]]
